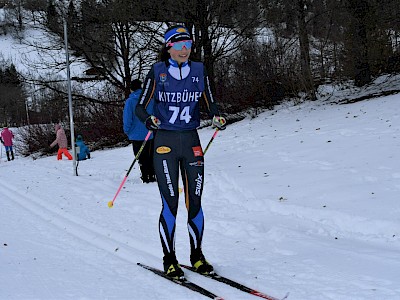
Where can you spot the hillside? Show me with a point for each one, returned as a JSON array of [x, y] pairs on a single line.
[[302, 199]]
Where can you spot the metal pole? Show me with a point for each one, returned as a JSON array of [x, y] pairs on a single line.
[[71, 116], [27, 112]]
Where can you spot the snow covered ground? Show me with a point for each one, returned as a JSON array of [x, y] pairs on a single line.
[[303, 199]]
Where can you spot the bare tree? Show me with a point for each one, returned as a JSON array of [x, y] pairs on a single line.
[[112, 40], [221, 28], [105, 39]]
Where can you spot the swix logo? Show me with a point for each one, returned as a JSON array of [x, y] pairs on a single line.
[[196, 164], [199, 181]]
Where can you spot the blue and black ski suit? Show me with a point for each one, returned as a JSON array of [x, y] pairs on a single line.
[[177, 91]]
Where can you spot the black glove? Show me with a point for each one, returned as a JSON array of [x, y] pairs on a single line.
[[152, 123], [218, 122]]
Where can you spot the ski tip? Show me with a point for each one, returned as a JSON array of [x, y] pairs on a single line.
[[287, 295]]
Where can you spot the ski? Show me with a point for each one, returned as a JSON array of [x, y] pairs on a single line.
[[183, 282], [235, 284]]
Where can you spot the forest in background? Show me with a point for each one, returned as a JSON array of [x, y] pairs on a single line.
[[259, 53]]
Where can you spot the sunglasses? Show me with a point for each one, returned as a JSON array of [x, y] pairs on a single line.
[[180, 45]]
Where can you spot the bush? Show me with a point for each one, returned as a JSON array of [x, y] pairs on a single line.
[[101, 129], [261, 83], [35, 139]]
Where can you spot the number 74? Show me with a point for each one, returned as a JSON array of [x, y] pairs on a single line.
[[183, 115]]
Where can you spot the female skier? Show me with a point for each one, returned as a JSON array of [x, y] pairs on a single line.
[[177, 85]]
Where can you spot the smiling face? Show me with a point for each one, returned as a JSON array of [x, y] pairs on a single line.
[[178, 43], [180, 56]]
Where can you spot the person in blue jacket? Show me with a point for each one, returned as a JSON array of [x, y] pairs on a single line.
[[177, 85], [136, 132], [84, 152]]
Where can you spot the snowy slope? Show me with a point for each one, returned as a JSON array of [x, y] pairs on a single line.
[[303, 199]]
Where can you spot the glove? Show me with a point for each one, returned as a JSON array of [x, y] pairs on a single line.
[[152, 123], [218, 122]]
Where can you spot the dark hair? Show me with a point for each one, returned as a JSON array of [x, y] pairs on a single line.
[[135, 85], [164, 54]]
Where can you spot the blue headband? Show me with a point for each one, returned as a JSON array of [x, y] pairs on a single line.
[[177, 34]]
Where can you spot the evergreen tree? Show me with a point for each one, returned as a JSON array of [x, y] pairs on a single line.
[[52, 15], [73, 22], [12, 97]]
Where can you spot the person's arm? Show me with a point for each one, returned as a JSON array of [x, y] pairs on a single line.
[[209, 97], [56, 140], [53, 143], [87, 151], [128, 116], [146, 96], [218, 121]]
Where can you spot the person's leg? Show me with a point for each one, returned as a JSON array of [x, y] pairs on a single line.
[[136, 145], [7, 152], [167, 172], [59, 154], [146, 161], [66, 153], [150, 165], [11, 152], [192, 171]]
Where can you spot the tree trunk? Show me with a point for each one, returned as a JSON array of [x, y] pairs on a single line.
[[359, 10], [305, 51], [204, 23]]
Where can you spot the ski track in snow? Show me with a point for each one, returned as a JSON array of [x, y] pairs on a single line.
[[86, 232], [114, 243]]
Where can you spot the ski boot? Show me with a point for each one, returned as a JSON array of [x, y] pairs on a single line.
[[200, 263], [172, 267]]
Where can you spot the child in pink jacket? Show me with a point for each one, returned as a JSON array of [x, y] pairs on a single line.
[[62, 142], [6, 138]]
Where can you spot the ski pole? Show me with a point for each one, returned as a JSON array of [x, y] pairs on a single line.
[[1, 149], [209, 143], [111, 203]]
